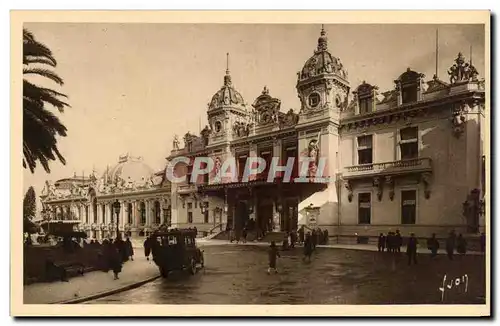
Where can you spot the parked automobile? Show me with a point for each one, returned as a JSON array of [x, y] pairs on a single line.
[[176, 250]]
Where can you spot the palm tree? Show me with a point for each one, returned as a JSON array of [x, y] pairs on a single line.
[[40, 126]]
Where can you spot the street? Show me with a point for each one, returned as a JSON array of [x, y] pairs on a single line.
[[238, 275]]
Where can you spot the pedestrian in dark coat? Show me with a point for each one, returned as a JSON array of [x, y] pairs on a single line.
[[325, 234], [314, 239], [398, 241], [450, 245], [273, 255], [293, 238], [113, 258], [461, 245], [389, 242], [381, 242], [482, 242], [411, 249], [147, 247], [129, 249], [301, 234], [433, 245], [308, 246]]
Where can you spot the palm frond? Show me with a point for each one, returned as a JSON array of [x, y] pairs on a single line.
[[44, 73]]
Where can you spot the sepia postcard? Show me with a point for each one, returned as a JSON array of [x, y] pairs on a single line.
[[257, 163]]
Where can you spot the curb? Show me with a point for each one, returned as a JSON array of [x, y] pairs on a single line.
[[110, 292], [214, 243]]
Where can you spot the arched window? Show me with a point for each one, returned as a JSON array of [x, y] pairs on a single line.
[[143, 213], [157, 212], [129, 213]]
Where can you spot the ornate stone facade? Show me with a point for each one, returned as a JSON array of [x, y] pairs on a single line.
[[88, 201], [392, 157]]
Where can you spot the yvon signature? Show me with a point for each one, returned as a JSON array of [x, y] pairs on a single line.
[[459, 283]]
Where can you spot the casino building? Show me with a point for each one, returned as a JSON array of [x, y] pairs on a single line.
[[410, 158]]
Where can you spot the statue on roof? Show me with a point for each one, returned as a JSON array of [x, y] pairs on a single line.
[[462, 71], [176, 143]]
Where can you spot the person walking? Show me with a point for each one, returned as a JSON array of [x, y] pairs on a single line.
[[147, 247], [398, 241], [411, 249], [314, 239], [461, 245], [301, 234], [129, 248], [308, 247], [381, 242], [450, 245], [482, 242], [433, 245], [273, 256]]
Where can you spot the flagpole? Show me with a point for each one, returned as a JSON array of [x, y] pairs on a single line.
[[437, 51]]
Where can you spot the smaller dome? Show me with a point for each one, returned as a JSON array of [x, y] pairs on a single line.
[[130, 169], [227, 95], [322, 62]]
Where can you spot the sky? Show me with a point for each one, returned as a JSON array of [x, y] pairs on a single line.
[[132, 87]]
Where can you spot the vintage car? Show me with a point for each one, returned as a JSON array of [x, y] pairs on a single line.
[[175, 250]]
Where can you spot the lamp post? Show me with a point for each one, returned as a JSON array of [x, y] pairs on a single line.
[[116, 207]]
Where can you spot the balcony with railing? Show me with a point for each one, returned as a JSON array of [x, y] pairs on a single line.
[[417, 165]]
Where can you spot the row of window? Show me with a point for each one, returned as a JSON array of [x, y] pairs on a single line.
[[190, 212], [409, 94], [129, 210], [408, 207], [408, 146]]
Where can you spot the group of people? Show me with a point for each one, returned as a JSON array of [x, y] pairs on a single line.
[[393, 242], [310, 242], [113, 253]]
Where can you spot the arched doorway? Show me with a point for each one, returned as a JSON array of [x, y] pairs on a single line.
[[157, 210], [129, 213], [241, 215], [142, 208]]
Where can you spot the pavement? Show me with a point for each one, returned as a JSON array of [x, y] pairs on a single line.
[[237, 274], [365, 247], [92, 285]]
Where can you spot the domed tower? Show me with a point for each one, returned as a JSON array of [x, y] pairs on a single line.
[[323, 90], [322, 84], [226, 109]]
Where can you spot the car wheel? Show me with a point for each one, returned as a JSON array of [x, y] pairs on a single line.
[[193, 267]]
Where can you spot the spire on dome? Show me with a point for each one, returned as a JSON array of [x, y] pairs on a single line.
[[227, 77], [323, 40]]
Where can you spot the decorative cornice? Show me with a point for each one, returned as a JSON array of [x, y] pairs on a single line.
[[406, 110]]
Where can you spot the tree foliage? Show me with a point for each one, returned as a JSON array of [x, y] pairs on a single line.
[[29, 203], [40, 126]]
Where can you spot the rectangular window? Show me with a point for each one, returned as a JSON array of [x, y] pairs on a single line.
[[86, 214], [408, 207], [190, 217], [190, 205], [267, 155], [409, 143], [409, 94], [103, 212], [365, 105], [242, 160], [365, 149], [364, 208], [196, 204]]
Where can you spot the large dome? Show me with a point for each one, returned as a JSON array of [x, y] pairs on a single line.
[[130, 169], [227, 95], [323, 62]]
